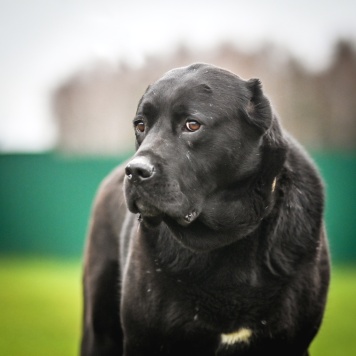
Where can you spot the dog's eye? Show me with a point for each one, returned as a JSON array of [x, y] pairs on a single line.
[[139, 126], [192, 125]]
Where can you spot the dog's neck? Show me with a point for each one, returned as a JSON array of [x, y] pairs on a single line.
[[226, 218]]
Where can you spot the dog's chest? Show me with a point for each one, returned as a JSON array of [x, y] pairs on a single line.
[[180, 301]]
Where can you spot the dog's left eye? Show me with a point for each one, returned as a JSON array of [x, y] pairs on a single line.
[[139, 126], [192, 125]]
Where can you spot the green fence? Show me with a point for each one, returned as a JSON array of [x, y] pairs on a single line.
[[45, 202]]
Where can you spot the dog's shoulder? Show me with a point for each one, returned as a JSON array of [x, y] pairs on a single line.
[[297, 221], [108, 213], [303, 173], [109, 198]]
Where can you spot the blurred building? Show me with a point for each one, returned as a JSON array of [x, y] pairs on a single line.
[[94, 108]]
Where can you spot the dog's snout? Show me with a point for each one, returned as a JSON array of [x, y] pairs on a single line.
[[139, 169]]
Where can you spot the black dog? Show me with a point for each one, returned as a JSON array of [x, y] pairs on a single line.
[[220, 248]]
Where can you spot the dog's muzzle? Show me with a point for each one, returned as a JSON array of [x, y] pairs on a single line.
[[143, 197]]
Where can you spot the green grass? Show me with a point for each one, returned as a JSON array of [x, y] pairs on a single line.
[[337, 335], [40, 309]]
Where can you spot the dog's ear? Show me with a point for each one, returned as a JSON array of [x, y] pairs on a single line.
[[258, 110]]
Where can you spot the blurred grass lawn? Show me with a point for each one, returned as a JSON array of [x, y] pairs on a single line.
[[40, 309]]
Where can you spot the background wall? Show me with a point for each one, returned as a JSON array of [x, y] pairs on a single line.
[[45, 202]]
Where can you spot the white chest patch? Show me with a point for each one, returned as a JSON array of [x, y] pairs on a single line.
[[241, 335]]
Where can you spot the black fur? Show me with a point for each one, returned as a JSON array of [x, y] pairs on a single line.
[[207, 232]]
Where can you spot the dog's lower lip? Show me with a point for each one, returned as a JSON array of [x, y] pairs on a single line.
[[147, 210], [190, 217], [187, 219]]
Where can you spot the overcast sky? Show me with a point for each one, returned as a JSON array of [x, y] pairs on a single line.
[[44, 41]]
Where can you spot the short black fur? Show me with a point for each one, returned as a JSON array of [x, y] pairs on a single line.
[[208, 241]]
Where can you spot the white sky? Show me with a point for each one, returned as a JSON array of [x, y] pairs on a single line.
[[43, 41]]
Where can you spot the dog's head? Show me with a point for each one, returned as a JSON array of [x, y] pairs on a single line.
[[201, 138]]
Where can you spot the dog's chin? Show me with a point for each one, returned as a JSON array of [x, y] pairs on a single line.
[[153, 215], [146, 209]]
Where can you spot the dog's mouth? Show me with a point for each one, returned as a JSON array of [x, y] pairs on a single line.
[[188, 218], [161, 200], [153, 215]]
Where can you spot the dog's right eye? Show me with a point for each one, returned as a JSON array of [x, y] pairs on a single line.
[[139, 126], [192, 125]]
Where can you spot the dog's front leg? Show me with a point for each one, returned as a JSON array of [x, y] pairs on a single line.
[[244, 349], [102, 334]]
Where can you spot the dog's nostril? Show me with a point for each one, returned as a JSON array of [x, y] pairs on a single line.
[[139, 170], [128, 172], [144, 172]]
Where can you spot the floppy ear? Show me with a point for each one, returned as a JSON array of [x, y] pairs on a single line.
[[258, 110]]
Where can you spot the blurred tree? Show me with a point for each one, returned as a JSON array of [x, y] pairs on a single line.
[[337, 88]]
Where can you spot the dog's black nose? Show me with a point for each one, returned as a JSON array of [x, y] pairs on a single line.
[[139, 169]]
